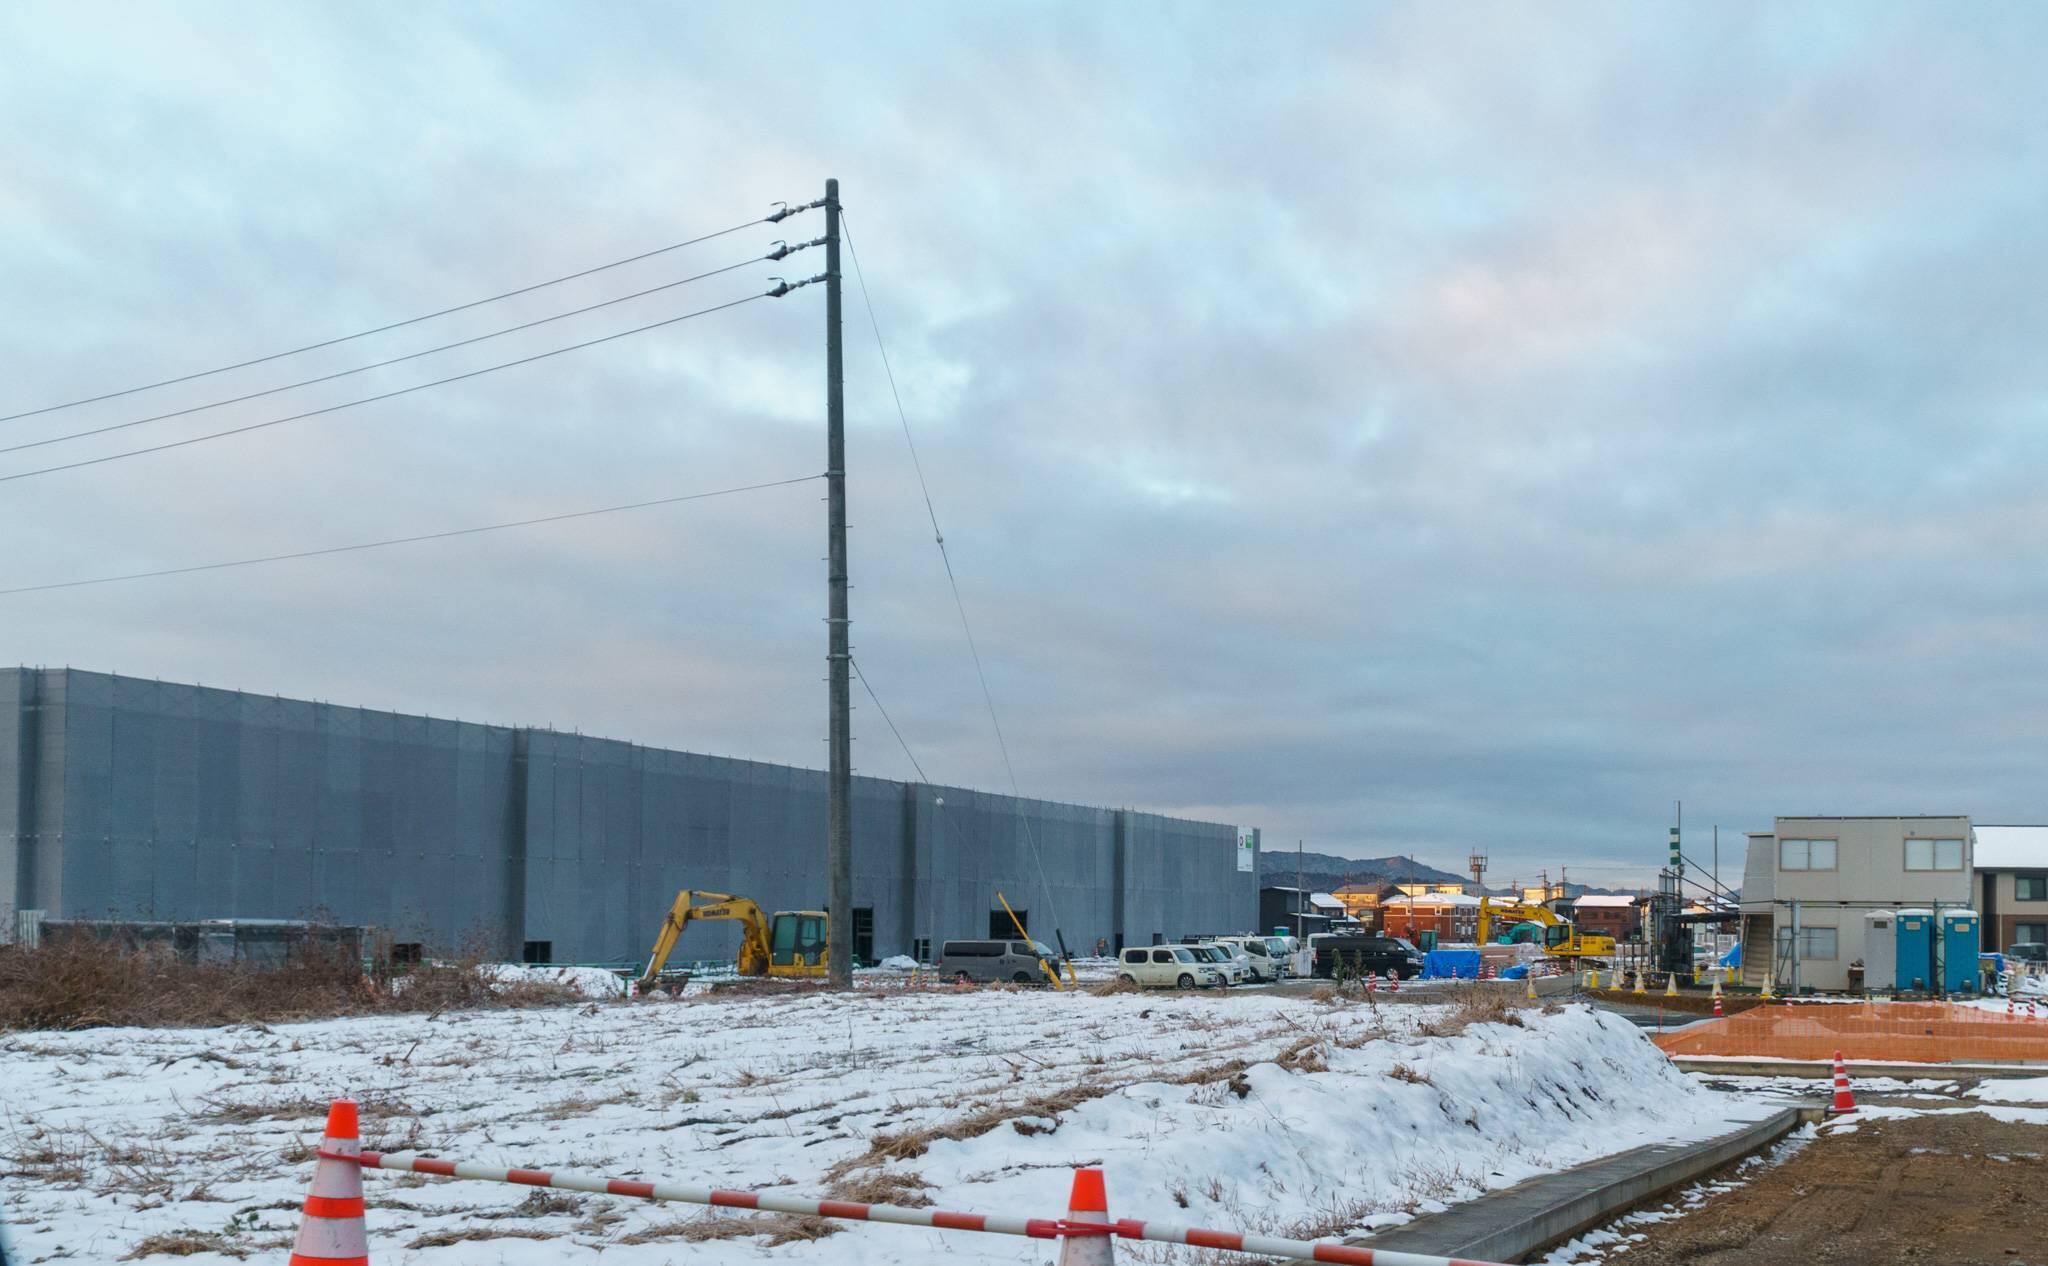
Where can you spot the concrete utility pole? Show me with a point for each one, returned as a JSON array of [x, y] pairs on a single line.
[[839, 779]]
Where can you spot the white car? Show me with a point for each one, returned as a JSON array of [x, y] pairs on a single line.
[[1229, 960], [1251, 955], [1167, 967]]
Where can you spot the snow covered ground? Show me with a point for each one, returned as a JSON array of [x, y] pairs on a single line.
[[1239, 1111]]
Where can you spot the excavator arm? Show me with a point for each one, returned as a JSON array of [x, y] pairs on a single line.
[[692, 904]]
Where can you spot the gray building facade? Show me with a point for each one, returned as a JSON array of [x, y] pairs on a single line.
[[128, 798]]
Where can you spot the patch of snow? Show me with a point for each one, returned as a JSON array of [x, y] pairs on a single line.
[[1243, 1110]]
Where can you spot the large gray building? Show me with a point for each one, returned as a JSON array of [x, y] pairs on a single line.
[[127, 798]]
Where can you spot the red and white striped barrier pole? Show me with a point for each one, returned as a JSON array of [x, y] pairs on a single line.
[[936, 1219]]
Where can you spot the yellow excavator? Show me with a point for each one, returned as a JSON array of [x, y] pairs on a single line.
[[789, 943], [1560, 937]]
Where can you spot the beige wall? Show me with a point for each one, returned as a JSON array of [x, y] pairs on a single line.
[[1870, 866]]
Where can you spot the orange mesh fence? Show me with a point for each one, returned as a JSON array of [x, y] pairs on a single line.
[[1914, 1032]]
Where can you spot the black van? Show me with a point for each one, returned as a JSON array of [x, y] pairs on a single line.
[[1363, 955]]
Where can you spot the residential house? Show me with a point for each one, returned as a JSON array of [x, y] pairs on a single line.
[[1601, 915], [2012, 885]]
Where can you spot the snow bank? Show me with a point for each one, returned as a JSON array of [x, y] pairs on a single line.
[[1233, 1110]]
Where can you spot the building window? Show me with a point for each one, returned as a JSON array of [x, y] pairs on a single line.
[[1002, 927], [1934, 854], [537, 952], [1814, 943], [405, 954], [921, 949], [2030, 887], [2030, 934], [1806, 855]]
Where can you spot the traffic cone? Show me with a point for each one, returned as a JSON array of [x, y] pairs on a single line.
[[1372, 982], [1671, 984], [332, 1229], [1767, 987], [1529, 986], [1844, 1101], [1393, 982], [1717, 1006], [2008, 1006], [1088, 1206], [1640, 986], [1592, 978], [1717, 988]]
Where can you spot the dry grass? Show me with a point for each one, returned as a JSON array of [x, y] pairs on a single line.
[[184, 1243], [82, 983], [905, 1190], [780, 1228], [1473, 1003], [443, 1239], [1402, 1072]]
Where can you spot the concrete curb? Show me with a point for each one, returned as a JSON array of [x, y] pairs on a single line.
[[1506, 1226]]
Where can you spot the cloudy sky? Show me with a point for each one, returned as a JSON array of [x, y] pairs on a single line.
[[1404, 428]]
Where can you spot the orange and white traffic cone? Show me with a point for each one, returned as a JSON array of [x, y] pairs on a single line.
[[332, 1232], [1088, 1206], [1844, 1101], [1393, 982], [1717, 1006]]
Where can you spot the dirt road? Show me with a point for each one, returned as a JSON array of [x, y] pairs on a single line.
[[1954, 1190]]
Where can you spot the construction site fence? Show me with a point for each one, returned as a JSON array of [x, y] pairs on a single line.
[[1067, 1228], [1893, 1032]]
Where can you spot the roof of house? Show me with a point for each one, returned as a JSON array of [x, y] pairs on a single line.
[[1432, 899], [2011, 847], [1324, 901], [1600, 900]]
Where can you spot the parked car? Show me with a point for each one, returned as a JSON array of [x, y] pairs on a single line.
[[1259, 963], [1360, 955], [1167, 967], [1015, 961], [1229, 960]]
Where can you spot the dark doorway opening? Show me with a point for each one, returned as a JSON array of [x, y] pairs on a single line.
[[537, 952], [1000, 927], [864, 935]]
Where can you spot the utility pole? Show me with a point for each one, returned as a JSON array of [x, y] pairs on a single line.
[[839, 778], [1300, 897]]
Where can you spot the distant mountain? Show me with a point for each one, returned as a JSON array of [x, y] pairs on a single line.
[[1323, 871], [1320, 872]]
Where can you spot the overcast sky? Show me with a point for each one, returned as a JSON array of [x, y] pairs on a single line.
[[1402, 428]]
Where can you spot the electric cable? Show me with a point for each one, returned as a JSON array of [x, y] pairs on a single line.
[[411, 540], [952, 582], [460, 307], [360, 369], [350, 404], [863, 679]]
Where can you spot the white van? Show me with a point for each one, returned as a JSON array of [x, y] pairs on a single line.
[[1166, 967], [1260, 964]]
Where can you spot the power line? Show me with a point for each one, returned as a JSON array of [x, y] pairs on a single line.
[[445, 347], [863, 679], [411, 540], [350, 404], [460, 307], [952, 582]]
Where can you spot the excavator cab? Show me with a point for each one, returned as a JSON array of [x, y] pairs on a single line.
[[796, 941]]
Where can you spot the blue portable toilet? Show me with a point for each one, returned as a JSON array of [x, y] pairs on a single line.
[[1959, 951], [1915, 944]]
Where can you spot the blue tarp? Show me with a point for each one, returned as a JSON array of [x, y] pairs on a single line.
[[1733, 958], [1520, 971], [1444, 964]]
